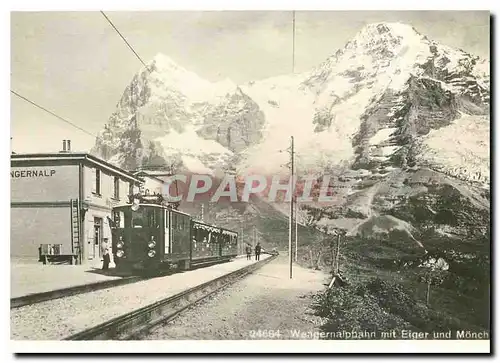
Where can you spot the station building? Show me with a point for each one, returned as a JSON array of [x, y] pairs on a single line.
[[65, 199]]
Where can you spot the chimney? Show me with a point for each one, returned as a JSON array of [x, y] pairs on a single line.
[[68, 142], [64, 146]]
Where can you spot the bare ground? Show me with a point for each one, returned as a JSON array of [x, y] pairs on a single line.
[[264, 305]]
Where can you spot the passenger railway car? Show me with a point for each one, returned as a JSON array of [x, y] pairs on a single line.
[[155, 238]]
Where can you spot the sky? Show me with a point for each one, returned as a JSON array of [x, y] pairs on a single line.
[[76, 65]]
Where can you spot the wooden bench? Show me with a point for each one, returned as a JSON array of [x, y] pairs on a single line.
[[51, 253]]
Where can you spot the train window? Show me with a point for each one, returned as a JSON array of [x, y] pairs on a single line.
[[183, 223], [152, 218], [138, 219], [127, 219], [119, 219]]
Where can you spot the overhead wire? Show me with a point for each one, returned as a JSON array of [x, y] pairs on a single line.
[[68, 121], [125, 40], [52, 113], [73, 124], [64, 119]]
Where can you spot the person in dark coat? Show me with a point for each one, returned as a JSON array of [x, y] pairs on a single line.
[[258, 249], [249, 252], [105, 254]]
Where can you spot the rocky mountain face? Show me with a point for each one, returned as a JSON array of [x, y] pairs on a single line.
[[422, 138], [168, 115], [235, 124], [399, 121]]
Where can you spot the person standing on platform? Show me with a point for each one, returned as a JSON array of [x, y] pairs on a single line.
[[258, 249], [105, 254], [249, 252]]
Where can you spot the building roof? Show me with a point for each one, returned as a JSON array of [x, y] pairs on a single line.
[[71, 156]]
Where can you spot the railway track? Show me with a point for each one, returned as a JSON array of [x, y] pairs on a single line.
[[133, 325], [70, 291]]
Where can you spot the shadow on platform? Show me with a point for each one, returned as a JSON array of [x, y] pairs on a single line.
[[111, 272]]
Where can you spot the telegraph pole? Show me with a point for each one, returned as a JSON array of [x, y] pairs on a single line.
[[293, 44], [254, 236], [296, 230], [242, 249], [291, 209], [292, 171], [337, 255]]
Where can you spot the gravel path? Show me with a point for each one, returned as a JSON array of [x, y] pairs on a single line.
[[264, 305], [57, 319]]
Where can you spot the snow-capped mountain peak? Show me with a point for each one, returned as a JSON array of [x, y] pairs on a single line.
[[389, 80], [167, 70], [386, 34], [165, 63]]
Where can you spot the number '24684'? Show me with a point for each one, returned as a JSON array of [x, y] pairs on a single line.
[[264, 334]]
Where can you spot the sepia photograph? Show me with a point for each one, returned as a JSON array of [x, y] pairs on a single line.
[[316, 178]]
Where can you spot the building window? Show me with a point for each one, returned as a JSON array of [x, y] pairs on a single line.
[[116, 189], [96, 184]]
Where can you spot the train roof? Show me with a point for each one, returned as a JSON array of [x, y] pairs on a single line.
[[152, 205], [211, 226]]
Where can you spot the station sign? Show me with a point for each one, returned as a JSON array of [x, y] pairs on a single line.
[[53, 183], [32, 173]]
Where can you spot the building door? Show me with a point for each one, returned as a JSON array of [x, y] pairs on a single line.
[[95, 249]]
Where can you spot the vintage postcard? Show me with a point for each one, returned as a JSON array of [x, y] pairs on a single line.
[[313, 181]]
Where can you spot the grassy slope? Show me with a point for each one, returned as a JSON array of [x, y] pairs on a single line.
[[391, 295]]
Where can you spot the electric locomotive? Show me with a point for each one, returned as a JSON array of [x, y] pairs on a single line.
[[154, 237]]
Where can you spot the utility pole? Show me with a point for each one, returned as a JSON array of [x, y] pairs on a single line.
[[293, 45], [338, 254], [334, 255], [291, 208], [202, 205], [241, 243], [296, 230]]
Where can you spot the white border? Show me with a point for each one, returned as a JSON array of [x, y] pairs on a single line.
[[218, 346], [259, 346], [134, 5]]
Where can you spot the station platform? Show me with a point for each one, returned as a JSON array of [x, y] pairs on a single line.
[[31, 278], [60, 318]]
